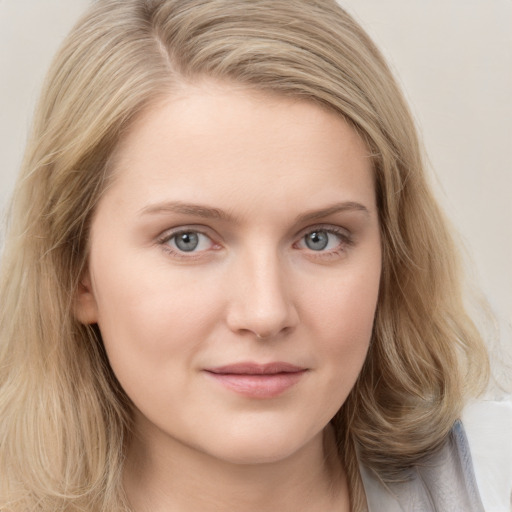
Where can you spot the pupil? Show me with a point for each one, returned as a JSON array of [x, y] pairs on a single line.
[[317, 240], [187, 241]]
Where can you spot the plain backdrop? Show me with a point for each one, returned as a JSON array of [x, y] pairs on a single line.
[[453, 59]]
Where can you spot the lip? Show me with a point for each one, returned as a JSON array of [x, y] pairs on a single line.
[[256, 380]]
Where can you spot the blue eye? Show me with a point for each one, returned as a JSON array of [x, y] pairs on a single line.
[[317, 240], [189, 241], [186, 241], [323, 240]]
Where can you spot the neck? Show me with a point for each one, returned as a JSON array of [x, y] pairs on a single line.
[[173, 476]]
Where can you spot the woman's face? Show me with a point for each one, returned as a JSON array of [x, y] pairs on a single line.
[[234, 271]]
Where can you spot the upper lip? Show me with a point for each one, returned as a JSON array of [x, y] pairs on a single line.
[[250, 368]]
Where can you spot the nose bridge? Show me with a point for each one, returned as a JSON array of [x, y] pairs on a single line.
[[261, 300]]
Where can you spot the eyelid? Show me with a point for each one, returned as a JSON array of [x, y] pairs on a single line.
[[346, 238], [163, 239]]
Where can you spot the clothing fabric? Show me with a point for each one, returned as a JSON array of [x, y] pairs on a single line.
[[445, 482], [488, 426]]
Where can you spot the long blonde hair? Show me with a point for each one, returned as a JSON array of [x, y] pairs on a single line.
[[65, 420]]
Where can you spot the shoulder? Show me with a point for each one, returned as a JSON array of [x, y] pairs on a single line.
[[488, 424], [443, 482]]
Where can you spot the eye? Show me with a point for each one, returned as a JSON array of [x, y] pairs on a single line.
[[324, 240], [188, 242], [317, 241]]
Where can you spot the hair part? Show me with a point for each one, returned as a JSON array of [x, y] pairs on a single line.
[[65, 419]]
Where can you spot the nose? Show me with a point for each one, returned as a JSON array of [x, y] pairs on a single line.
[[261, 297]]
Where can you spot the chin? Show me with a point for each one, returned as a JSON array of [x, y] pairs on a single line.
[[262, 447]]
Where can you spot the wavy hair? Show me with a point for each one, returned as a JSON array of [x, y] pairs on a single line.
[[65, 419]]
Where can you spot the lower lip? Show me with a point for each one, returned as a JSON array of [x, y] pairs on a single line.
[[258, 386]]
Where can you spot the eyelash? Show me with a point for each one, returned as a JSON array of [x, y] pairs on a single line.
[[164, 240], [345, 242]]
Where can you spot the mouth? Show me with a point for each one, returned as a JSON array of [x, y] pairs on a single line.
[[255, 380]]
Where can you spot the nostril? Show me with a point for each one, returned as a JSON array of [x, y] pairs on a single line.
[[259, 302], [270, 334]]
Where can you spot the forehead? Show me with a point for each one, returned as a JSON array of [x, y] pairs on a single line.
[[213, 140]]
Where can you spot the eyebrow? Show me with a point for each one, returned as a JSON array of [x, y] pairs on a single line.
[[347, 206], [196, 210], [208, 212]]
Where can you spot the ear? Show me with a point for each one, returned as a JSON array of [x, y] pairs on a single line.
[[85, 308]]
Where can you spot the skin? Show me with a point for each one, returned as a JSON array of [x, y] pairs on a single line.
[[267, 172]]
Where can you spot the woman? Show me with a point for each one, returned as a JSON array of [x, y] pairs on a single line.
[[226, 282]]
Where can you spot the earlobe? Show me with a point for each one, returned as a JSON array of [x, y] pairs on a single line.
[[85, 308]]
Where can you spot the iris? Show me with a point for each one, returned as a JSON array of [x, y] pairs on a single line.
[[317, 240]]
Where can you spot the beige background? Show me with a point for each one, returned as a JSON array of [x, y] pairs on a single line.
[[454, 60]]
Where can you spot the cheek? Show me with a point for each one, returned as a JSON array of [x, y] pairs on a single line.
[[152, 322], [135, 297], [345, 303], [342, 314]]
